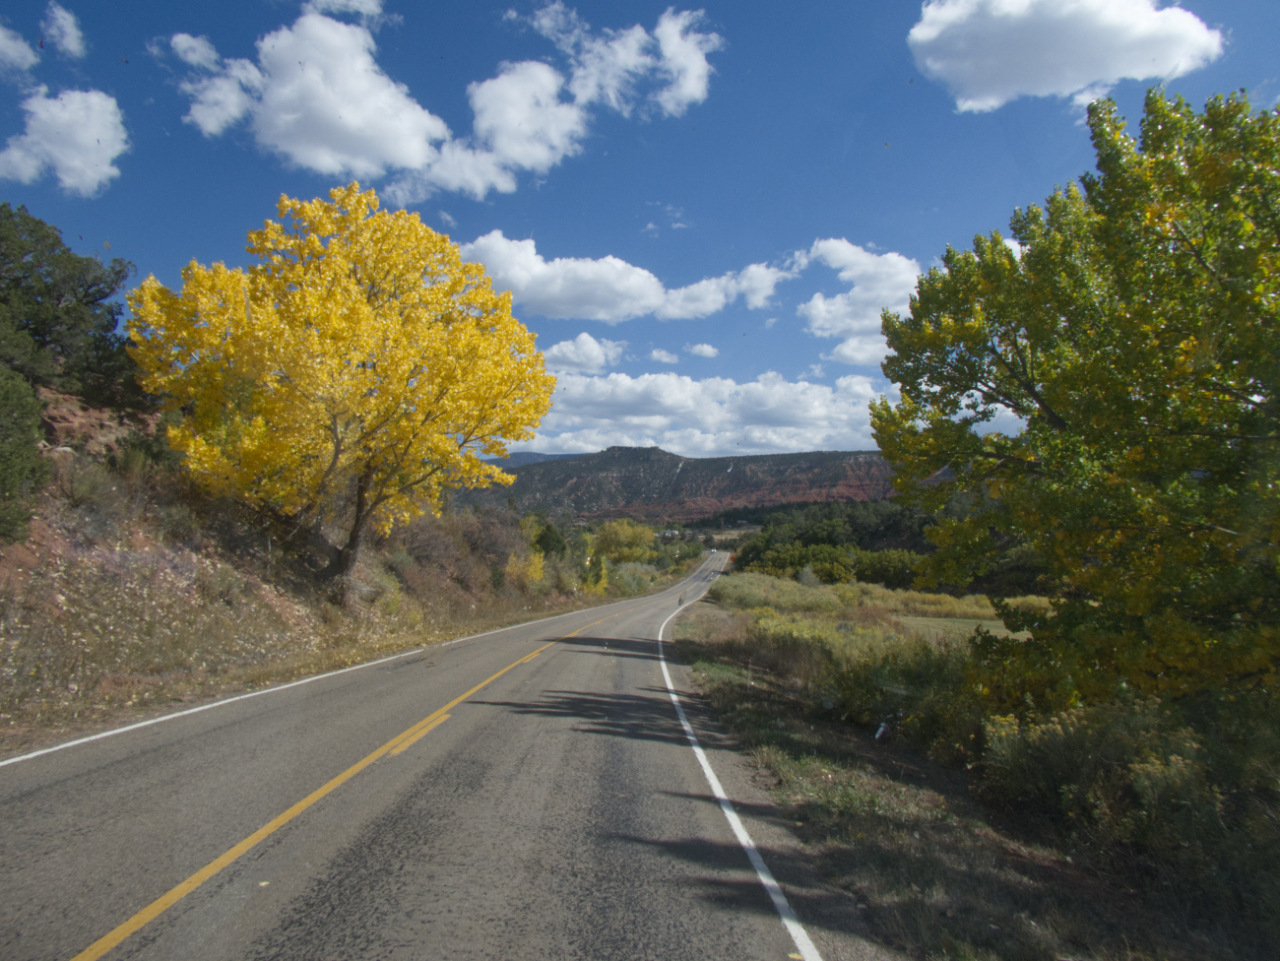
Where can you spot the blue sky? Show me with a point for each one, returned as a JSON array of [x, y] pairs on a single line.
[[700, 210]]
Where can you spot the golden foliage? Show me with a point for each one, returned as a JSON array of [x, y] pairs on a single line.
[[525, 571], [625, 540], [360, 349]]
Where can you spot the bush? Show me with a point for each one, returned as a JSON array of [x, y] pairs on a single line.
[[633, 578]]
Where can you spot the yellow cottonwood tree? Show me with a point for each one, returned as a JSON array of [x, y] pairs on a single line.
[[359, 366]]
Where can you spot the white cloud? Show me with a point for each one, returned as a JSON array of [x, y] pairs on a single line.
[[195, 51], [608, 68], [684, 60], [609, 289], [605, 69], [15, 53], [60, 26], [521, 120], [447, 219], [221, 100], [78, 134], [992, 51], [701, 350], [663, 356], [864, 350], [701, 418], [584, 353], [879, 281], [317, 97]]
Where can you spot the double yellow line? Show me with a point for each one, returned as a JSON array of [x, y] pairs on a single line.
[[396, 745]]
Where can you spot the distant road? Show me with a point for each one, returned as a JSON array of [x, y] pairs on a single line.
[[526, 794]]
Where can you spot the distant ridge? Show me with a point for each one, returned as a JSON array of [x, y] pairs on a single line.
[[524, 458], [649, 483]]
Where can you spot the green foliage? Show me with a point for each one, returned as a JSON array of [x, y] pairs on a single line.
[[57, 320], [1134, 336], [838, 542], [893, 569], [550, 541], [22, 471]]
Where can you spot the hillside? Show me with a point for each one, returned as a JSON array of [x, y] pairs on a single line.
[[652, 484]]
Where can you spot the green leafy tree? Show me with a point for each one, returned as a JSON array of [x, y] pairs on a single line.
[[1133, 333], [58, 323], [550, 541], [22, 470]]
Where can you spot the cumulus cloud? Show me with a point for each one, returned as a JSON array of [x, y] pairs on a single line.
[[879, 281], [702, 418], [584, 354], [608, 288], [63, 31], [701, 350], [195, 51], [684, 60], [608, 68], [77, 134], [663, 356], [989, 52], [15, 53], [317, 97]]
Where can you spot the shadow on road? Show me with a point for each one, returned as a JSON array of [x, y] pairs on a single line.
[[630, 716]]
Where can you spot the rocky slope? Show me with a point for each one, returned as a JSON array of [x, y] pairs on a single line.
[[651, 484]]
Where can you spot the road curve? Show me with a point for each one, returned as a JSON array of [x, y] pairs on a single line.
[[528, 793]]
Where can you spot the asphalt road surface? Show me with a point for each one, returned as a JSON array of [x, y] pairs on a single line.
[[525, 794]]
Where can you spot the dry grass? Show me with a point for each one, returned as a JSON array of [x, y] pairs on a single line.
[[934, 874]]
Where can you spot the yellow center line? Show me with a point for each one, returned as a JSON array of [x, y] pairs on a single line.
[[410, 741], [394, 746]]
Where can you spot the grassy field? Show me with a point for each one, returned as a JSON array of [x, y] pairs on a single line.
[[937, 869]]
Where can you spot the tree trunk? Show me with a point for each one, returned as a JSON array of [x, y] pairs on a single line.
[[344, 561]]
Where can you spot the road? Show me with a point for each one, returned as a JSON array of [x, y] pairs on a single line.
[[529, 793]]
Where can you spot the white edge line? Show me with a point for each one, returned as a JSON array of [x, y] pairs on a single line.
[[789, 920], [269, 690]]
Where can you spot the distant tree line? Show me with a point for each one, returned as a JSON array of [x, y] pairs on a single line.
[[874, 542]]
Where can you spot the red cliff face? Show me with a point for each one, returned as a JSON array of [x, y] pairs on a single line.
[[651, 484]]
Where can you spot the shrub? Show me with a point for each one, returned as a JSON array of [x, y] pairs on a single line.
[[525, 572], [633, 578]]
